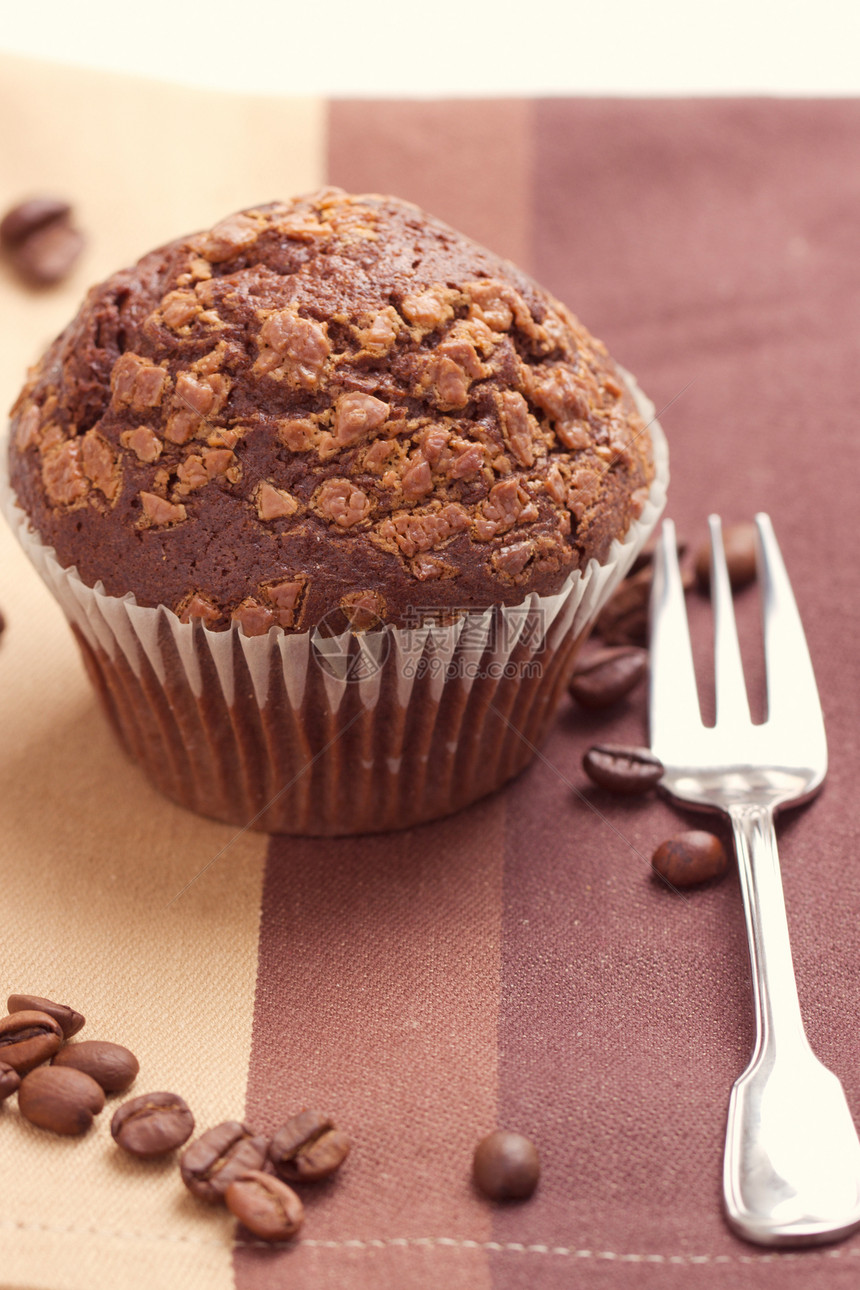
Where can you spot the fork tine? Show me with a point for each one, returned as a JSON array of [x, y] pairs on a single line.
[[730, 688], [792, 694], [674, 699]]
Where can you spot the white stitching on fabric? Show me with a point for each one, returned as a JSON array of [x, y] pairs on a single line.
[[444, 1242]]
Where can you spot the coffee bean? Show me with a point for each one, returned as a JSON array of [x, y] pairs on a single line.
[[740, 542], [28, 1038], [623, 620], [267, 1207], [40, 240], [506, 1166], [218, 1156], [645, 558], [691, 858], [47, 256], [26, 217], [9, 1081], [152, 1125], [308, 1147], [110, 1065], [604, 676], [60, 1099], [70, 1021], [623, 770]]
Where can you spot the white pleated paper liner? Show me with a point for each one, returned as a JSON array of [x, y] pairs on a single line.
[[360, 732]]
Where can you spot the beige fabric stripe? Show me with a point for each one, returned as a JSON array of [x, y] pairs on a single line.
[[90, 856], [143, 163]]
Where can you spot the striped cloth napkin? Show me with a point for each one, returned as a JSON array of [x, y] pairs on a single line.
[[515, 965]]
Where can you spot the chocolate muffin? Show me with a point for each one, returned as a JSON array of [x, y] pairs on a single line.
[[300, 470]]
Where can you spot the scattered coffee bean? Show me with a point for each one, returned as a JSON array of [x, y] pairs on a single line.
[[623, 770], [645, 558], [152, 1125], [690, 858], [60, 1099], [110, 1065], [27, 1039], [308, 1147], [604, 676], [9, 1081], [47, 256], [40, 240], [267, 1207], [506, 1166], [740, 542], [623, 620], [70, 1021], [219, 1156], [26, 217]]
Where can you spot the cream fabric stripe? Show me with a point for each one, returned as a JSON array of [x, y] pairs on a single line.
[[90, 856]]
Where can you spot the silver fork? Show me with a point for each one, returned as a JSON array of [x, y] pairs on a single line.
[[791, 1173]]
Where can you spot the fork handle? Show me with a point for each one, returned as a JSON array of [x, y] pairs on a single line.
[[777, 1008], [791, 1172]]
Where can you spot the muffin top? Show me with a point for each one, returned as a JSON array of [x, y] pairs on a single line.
[[331, 407]]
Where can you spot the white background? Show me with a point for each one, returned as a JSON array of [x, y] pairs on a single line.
[[459, 47]]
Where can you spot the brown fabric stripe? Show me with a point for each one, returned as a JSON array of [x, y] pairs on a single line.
[[378, 966], [376, 1000], [705, 242], [468, 162]]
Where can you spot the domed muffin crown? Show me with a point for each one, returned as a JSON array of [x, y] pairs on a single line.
[[336, 403]]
